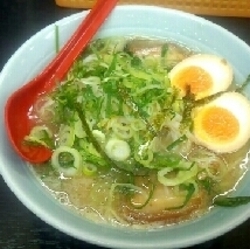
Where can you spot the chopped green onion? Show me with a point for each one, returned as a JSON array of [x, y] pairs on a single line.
[[92, 139], [66, 160], [244, 85], [89, 169], [99, 136], [177, 142], [40, 135], [66, 136], [180, 177], [131, 189], [164, 50], [190, 188], [57, 42], [231, 201], [117, 149], [78, 129], [112, 66]]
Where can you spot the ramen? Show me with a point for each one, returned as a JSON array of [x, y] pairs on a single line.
[[143, 132]]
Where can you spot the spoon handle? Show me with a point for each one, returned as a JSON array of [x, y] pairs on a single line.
[[20, 104], [57, 69]]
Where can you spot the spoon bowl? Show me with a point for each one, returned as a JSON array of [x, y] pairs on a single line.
[[18, 121]]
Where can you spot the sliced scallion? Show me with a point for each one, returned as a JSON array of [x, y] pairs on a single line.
[[66, 160]]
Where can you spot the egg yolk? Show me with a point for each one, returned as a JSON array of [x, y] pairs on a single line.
[[216, 124], [194, 78]]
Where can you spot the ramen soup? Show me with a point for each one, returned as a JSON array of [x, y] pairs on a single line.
[[143, 132]]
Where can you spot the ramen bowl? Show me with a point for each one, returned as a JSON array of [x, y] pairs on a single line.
[[197, 34]]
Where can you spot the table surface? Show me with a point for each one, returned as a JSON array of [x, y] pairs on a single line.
[[21, 229]]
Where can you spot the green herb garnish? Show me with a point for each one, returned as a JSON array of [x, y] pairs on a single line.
[[231, 201]]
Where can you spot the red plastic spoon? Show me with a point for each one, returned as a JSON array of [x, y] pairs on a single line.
[[17, 121]]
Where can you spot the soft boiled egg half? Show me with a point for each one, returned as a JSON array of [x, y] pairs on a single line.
[[202, 74], [223, 125]]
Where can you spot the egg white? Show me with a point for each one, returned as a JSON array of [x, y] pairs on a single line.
[[217, 67], [239, 106]]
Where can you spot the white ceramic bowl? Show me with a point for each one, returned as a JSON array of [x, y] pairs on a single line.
[[32, 56]]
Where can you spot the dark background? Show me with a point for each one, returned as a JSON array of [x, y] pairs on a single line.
[[21, 229]]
